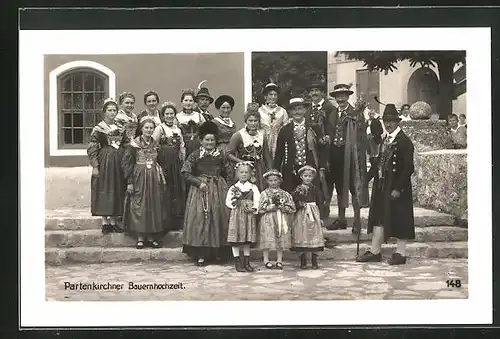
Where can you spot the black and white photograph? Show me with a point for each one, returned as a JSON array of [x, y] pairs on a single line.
[[283, 174]]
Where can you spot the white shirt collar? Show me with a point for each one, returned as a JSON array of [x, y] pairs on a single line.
[[299, 123], [319, 104], [244, 186], [394, 133]]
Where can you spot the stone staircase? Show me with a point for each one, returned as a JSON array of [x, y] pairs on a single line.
[[73, 236]]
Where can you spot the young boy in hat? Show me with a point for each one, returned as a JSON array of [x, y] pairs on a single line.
[[346, 128], [391, 209], [203, 100]]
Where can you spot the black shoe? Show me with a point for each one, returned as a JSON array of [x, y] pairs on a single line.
[[370, 257], [314, 261], [117, 229], [106, 229], [200, 262], [397, 259], [238, 265], [269, 265], [247, 266], [337, 225], [154, 244], [303, 261]]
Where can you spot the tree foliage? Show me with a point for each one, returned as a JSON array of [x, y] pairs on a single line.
[[385, 61], [291, 71], [444, 61]]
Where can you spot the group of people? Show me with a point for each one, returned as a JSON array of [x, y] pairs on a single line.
[[267, 185]]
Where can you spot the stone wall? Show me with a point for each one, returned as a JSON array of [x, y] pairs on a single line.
[[426, 135], [442, 182]]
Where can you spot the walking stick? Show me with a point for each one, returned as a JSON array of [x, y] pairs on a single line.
[[357, 243]]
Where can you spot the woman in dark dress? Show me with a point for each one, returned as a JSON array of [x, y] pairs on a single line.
[[105, 153], [206, 223], [250, 144], [151, 100], [189, 121], [145, 187], [171, 156], [226, 126]]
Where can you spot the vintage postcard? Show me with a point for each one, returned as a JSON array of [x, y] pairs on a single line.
[[279, 177]]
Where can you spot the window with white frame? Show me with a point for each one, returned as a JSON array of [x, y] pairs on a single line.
[[77, 92], [81, 95]]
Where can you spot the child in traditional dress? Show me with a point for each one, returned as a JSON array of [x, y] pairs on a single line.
[[307, 235], [243, 200], [277, 209]]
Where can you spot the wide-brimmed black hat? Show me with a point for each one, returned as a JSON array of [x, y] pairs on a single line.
[[222, 99], [317, 84], [270, 87], [390, 113], [341, 88], [203, 92]]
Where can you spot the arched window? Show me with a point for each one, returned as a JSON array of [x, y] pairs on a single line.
[[77, 92], [81, 94]]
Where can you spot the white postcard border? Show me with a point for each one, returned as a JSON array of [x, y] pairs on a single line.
[[35, 311]]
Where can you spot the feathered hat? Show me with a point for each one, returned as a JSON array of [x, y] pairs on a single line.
[[390, 111], [203, 92], [208, 127], [317, 84], [270, 87]]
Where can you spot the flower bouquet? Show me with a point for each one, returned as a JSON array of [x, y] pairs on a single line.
[[176, 139], [236, 195], [277, 200], [300, 195]]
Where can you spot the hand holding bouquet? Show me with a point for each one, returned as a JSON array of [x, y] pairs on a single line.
[[236, 195], [300, 194]]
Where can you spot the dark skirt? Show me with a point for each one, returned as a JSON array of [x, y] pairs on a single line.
[[205, 235], [145, 212], [108, 189], [174, 202]]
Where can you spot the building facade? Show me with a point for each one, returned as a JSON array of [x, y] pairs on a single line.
[[76, 85], [405, 85]]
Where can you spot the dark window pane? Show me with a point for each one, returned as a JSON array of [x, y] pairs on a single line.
[[77, 120], [67, 101], [89, 100], [88, 82], [89, 119], [77, 82], [66, 84], [78, 135], [86, 135], [99, 83], [77, 101], [99, 101], [67, 120], [68, 136]]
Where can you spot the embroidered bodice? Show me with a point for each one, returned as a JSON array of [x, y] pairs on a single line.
[[251, 145], [127, 122], [226, 129]]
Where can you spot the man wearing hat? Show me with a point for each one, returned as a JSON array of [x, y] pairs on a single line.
[[319, 110], [346, 128], [391, 208], [204, 100], [297, 146]]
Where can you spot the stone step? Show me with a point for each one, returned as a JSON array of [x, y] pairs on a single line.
[[62, 256], [80, 219], [94, 237]]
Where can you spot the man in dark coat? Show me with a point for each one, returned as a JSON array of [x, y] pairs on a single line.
[[297, 146], [391, 210], [203, 100], [346, 128]]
